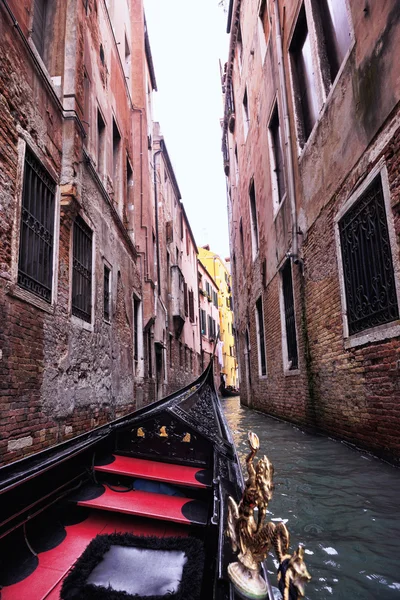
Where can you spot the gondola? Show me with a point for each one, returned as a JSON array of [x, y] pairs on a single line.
[[143, 507], [228, 391]]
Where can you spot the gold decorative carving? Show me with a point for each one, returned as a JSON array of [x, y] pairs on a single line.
[[186, 438], [252, 538], [140, 432], [163, 432]]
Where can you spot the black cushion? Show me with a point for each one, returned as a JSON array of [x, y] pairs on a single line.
[[124, 566]]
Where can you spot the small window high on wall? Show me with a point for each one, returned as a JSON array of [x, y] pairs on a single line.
[[305, 92], [253, 220], [262, 360], [336, 32], [263, 27], [276, 159]]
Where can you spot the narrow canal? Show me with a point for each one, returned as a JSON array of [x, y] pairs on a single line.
[[341, 503]]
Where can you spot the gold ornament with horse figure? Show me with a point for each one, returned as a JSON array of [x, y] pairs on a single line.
[[253, 538]]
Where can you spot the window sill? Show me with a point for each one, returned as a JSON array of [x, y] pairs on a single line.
[[291, 372], [375, 334], [81, 323], [29, 298]]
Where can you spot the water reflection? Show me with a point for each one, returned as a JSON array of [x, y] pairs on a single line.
[[342, 504]]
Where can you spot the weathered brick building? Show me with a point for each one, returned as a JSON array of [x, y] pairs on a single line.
[[312, 155], [77, 225], [177, 335], [209, 321]]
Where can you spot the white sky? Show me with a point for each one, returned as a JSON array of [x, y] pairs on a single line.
[[187, 39]]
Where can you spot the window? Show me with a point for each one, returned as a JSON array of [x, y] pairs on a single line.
[[106, 296], [149, 354], [86, 95], [136, 307], [262, 363], [290, 324], [236, 166], [263, 28], [82, 270], [129, 185], [185, 298], [336, 32], [203, 322], [369, 281], [35, 264], [253, 220], [212, 330], [241, 238], [191, 306], [101, 141], [39, 25], [303, 77], [246, 117], [117, 166], [215, 299], [276, 159], [127, 59], [239, 45], [187, 243]]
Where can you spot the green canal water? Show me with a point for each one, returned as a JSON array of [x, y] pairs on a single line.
[[342, 504]]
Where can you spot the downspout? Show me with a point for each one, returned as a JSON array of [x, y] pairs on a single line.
[[288, 143], [156, 218], [146, 253]]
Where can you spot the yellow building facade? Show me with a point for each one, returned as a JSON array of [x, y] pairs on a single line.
[[219, 271]]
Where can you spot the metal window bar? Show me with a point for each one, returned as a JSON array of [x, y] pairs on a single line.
[[367, 262], [82, 271], [106, 302], [35, 264], [288, 300]]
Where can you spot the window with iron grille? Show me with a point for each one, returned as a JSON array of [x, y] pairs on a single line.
[[35, 264], [368, 273], [290, 324], [260, 337], [106, 297], [82, 270]]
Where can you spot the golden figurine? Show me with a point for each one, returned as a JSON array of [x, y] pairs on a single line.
[[253, 538]]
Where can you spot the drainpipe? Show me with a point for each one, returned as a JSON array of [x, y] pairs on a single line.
[[146, 253], [156, 217], [288, 143]]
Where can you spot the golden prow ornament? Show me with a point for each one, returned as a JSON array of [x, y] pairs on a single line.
[[253, 539]]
